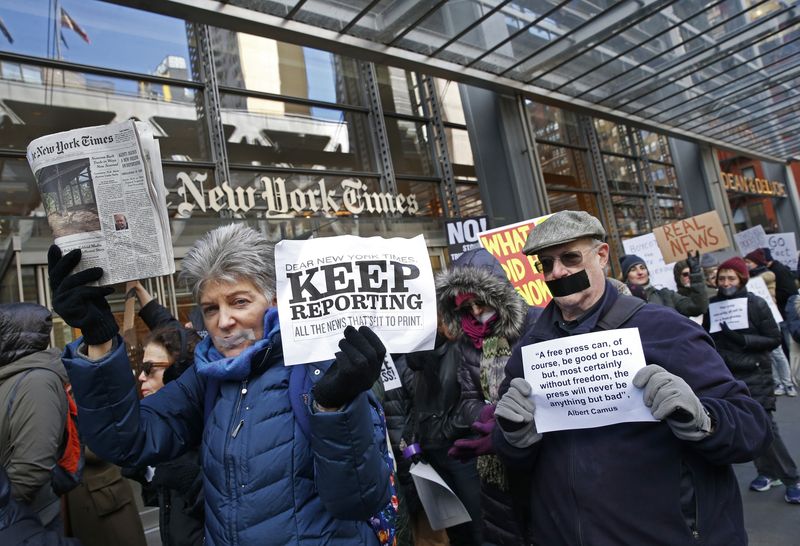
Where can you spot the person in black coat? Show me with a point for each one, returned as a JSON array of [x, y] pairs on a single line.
[[20, 526], [746, 352]]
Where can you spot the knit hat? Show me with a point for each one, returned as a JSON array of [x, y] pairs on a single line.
[[563, 227], [708, 261], [737, 264], [627, 262], [757, 257], [767, 254]]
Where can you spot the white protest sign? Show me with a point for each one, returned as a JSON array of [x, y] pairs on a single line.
[[757, 286], [326, 284], [584, 381], [646, 247], [442, 506], [389, 376], [751, 239], [732, 312], [784, 248]]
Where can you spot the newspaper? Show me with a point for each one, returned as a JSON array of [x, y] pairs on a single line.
[[103, 192]]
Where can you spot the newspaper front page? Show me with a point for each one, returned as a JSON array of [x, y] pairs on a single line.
[[103, 192]]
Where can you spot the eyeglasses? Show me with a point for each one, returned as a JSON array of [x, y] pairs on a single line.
[[570, 258], [147, 367]]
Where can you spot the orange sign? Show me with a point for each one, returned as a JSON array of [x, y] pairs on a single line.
[[703, 233], [505, 243]]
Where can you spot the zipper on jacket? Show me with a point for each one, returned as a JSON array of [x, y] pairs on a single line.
[[578, 531]]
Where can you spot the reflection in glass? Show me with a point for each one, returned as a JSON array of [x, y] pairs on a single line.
[[410, 147], [631, 215], [450, 101], [284, 134], [554, 124], [399, 91], [460, 152], [560, 200], [261, 64], [101, 34], [50, 100], [470, 203]]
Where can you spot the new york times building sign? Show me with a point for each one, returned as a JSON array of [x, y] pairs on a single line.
[[270, 197]]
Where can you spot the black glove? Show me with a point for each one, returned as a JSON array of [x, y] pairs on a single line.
[[357, 367], [693, 262], [80, 306], [734, 336]]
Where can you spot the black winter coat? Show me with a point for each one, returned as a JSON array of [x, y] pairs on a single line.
[[785, 285], [751, 362]]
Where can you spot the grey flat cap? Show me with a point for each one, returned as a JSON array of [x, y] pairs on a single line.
[[563, 227]]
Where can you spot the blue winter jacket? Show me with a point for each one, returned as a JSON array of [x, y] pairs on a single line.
[[637, 483], [265, 482]]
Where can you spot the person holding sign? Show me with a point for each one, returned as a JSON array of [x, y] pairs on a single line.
[[667, 481], [277, 469], [746, 351], [481, 308], [637, 277]]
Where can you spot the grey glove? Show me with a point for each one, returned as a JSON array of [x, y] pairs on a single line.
[[516, 406], [671, 399]]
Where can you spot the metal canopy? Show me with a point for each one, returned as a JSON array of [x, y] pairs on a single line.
[[723, 72]]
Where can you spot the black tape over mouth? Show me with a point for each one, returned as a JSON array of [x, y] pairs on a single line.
[[566, 286]]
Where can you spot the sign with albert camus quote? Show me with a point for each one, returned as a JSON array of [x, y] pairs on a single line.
[[585, 381], [326, 284], [702, 233]]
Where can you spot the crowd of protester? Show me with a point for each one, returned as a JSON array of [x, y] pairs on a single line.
[[233, 447]]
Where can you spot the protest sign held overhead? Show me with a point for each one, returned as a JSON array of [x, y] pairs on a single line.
[[505, 243], [326, 284], [586, 381], [784, 248], [462, 235], [702, 233], [751, 239]]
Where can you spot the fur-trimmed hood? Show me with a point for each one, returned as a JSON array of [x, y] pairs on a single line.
[[489, 288]]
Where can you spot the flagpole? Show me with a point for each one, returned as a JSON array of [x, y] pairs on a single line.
[[58, 31]]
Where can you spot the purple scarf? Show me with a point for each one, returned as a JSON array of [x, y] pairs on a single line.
[[475, 329]]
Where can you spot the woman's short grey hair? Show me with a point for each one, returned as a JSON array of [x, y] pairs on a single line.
[[230, 253]]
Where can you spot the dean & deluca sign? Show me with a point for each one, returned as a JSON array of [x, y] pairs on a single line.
[[756, 186], [270, 197]]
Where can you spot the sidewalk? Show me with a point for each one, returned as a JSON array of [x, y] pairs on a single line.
[[769, 520]]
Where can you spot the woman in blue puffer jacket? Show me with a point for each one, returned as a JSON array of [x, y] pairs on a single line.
[[268, 478]]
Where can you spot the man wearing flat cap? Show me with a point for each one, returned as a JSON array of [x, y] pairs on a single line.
[[664, 482]]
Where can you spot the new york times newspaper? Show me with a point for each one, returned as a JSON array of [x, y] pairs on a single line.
[[103, 192]]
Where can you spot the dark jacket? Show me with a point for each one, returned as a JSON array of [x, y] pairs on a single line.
[[785, 285], [792, 314], [597, 485], [19, 526], [751, 362], [479, 273], [102, 509], [264, 479], [688, 302], [33, 406], [436, 396], [177, 484]]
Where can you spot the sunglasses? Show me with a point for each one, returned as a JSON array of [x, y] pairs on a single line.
[[147, 367], [686, 274], [570, 258]]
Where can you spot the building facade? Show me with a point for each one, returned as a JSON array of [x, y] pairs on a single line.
[[303, 142]]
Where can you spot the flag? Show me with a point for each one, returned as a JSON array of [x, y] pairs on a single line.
[[69, 22], [6, 33]]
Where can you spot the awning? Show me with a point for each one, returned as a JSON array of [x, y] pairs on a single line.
[[724, 72]]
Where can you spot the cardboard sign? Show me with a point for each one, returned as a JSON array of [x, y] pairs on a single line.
[[646, 247], [757, 286], [505, 243], [326, 284], [462, 235], [732, 312], [703, 233], [751, 239], [585, 381], [784, 248]]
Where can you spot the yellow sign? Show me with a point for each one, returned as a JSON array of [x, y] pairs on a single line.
[[757, 186]]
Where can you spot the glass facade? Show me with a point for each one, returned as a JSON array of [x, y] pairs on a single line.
[[293, 121]]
